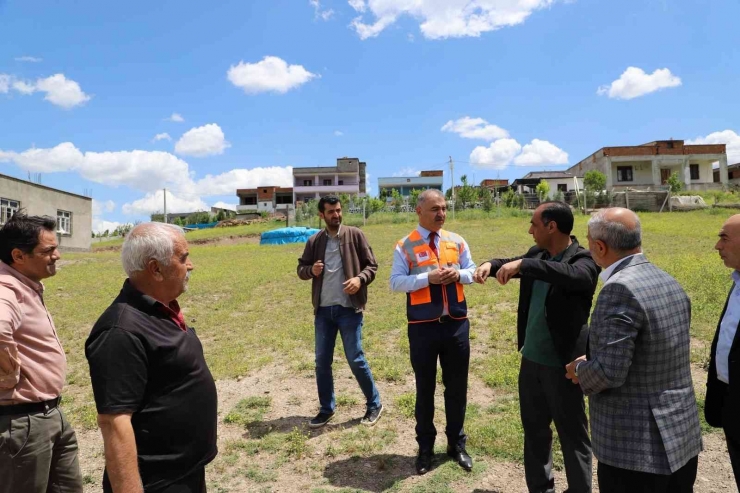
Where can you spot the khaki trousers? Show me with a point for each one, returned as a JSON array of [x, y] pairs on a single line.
[[38, 454]]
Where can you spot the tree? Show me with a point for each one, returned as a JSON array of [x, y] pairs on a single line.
[[594, 180], [466, 194], [486, 199], [397, 198], [344, 200], [414, 197], [675, 183], [179, 222], [543, 190]]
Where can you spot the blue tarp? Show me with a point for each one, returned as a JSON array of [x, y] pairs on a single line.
[[284, 236], [201, 226]]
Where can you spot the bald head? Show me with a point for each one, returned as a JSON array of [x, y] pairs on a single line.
[[728, 244], [618, 228], [429, 194]]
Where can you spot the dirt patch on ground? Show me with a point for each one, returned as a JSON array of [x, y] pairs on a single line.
[[252, 238], [331, 460]]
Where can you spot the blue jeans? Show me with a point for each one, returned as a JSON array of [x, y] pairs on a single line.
[[330, 320]]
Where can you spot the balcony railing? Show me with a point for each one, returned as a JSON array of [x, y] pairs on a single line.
[[354, 188]]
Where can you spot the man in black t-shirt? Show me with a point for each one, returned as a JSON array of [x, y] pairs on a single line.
[[155, 396]]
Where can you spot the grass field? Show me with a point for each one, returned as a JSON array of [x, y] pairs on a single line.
[[255, 320]]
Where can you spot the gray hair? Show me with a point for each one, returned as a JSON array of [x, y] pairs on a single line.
[[146, 242], [616, 235], [429, 193]]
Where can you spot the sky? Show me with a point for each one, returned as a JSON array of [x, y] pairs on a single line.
[[121, 100]]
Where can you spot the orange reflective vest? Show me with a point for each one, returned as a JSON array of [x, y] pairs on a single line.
[[427, 304]]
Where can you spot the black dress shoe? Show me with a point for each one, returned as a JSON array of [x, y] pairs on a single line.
[[461, 457], [424, 462]]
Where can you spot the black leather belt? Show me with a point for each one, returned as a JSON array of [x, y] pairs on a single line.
[[30, 408]]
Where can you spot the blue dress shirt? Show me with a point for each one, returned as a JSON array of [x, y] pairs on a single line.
[[402, 282], [727, 330]]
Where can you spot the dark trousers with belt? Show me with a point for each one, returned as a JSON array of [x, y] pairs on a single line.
[[730, 426], [616, 480], [546, 396], [450, 343], [38, 450]]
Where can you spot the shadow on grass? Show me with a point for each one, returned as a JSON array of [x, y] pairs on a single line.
[[375, 473], [258, 429], [478, 490]]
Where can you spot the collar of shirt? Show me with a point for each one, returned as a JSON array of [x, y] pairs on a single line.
[[736, 278], [424, 232], [607, 273], [339, 229], [7, 269], [149, 305]]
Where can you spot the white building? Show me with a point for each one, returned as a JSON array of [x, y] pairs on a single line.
[[348, 176], [559, 181], [72, 212], [650, 165], [404, 185]]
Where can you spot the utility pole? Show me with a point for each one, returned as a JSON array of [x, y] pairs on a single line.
[[452, 174], [165, 205]]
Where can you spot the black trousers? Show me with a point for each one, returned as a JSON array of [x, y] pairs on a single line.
[[195, 482], [616, 480], [733, 446], [546, 396], [450, 343]]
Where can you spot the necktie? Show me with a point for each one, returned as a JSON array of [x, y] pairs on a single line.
[[432, 244]]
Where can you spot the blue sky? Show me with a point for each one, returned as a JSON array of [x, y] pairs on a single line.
[[503, 86]]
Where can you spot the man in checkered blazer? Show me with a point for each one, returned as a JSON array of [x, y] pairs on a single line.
[[644, 421]]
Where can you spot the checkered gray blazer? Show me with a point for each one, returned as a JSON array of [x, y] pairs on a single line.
[[638, 375]]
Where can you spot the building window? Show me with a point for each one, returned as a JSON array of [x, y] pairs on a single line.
[[340, 182], [7, 209], [64, 222], [307, 183], [249, 200], [327, 183], [624, 173], [562, 187], [694, 170]]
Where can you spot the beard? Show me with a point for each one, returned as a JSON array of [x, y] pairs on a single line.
[[185, 282]]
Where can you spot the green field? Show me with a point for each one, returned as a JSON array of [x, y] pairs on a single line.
[[253, 313]]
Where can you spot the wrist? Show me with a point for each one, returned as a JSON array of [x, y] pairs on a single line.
[[575, 371]]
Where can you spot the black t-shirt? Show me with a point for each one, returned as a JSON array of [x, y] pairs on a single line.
[[142, 362]]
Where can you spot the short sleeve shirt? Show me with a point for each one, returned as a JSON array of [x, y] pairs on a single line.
[[143, 362]]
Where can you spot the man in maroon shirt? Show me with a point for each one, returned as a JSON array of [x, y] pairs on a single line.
[[155, 396]]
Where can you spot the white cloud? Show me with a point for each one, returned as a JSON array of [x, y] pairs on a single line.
[[59, 90], [496, 156], [323, 14], [272, 74], [338, 133], [634, 83], [541, 153], [227, 183], [728, 137], [207, 140], [407, 172], [31, 59], [475, 128], [224, 205], [62, 91], [162, 136], [154, 202], [358, 5], [140, 170], [98, 207], [441, 19], [175, 117], [100, 225], [24, 87]]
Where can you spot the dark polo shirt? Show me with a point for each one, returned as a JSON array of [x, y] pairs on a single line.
[[142, 361]]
